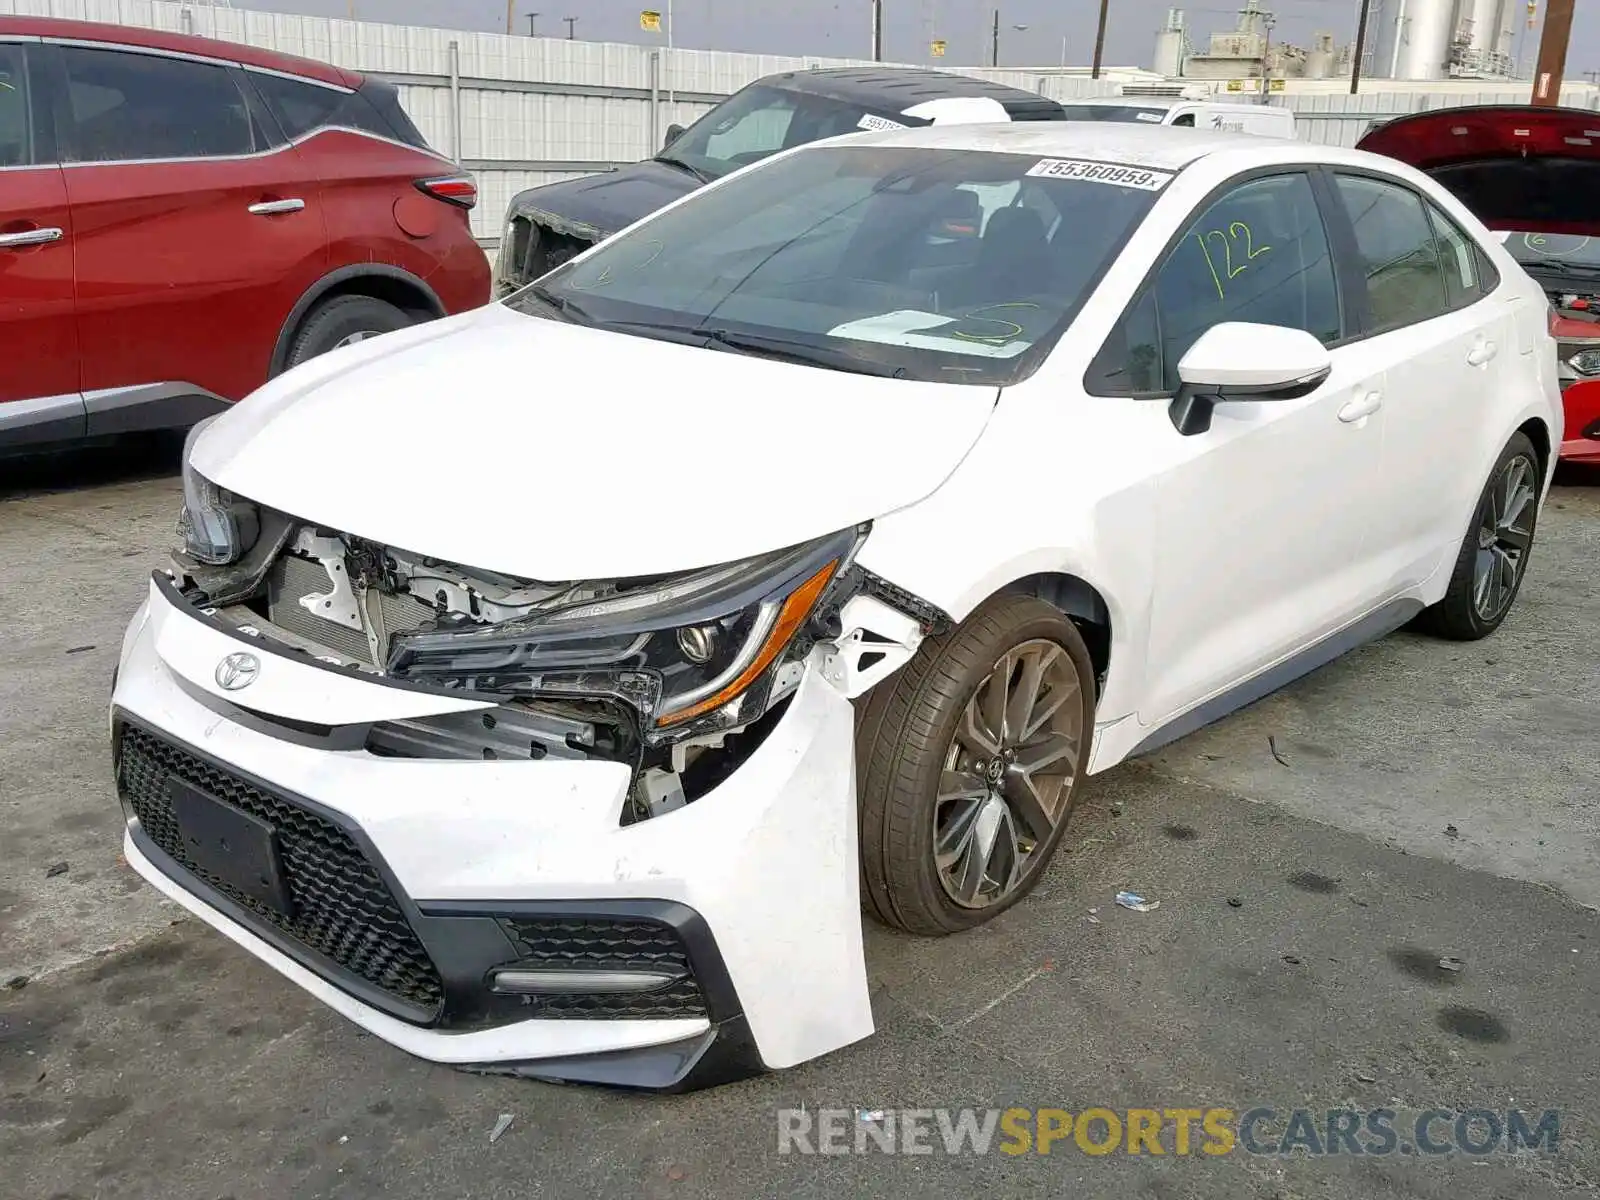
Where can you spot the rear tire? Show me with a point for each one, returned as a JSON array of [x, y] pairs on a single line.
[[958, 824], [341, 321], [1493, 560]]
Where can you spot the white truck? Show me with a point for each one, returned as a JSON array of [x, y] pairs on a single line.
[[1262, 119]]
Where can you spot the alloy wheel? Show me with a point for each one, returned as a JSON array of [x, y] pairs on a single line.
[[1505, 535], [1008, 773]]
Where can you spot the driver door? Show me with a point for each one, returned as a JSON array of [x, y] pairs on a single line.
[[1262, 543]]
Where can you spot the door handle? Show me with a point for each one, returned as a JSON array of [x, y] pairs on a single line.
[[28, 237], [271, 208], [1361, 406], [1481, 353]]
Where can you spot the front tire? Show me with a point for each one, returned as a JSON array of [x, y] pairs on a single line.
[[343, 321], [968, 765], [1494, 555]]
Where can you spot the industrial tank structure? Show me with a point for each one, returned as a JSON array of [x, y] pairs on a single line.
[[1438, 39]]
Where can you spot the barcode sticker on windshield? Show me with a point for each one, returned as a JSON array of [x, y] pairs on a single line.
[[880, 123], [1100, 172]]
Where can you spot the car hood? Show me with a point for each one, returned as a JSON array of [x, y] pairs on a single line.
[[1516, 167], [596, 206], [551, 451]]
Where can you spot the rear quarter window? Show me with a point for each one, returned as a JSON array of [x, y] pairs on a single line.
[[301, 107]]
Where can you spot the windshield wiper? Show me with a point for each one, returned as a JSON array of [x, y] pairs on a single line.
[[1556, 265], [702, 176], [565, 305], [787, 350]]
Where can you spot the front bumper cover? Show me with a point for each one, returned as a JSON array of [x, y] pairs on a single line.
[[757, 879]]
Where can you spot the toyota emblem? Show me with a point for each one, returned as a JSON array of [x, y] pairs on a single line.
[[238, 671]]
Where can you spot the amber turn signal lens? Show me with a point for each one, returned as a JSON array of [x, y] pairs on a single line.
[[791, 616]]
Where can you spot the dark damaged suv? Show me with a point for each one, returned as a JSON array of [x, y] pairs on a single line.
[[548, 225]]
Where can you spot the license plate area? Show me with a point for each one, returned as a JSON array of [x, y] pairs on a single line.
[[234, 847]]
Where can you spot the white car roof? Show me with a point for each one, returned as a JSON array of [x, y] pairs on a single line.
[[1161, 147]]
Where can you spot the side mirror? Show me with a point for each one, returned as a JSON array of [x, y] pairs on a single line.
[[674, 132], [1238, 360]]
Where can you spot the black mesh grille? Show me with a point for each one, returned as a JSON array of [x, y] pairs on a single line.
[[600, 944], [341, 907]]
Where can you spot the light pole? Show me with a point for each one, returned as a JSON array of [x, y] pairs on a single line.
[[1099, 41], [994, 39], [572, 23], [877, 30], [1361, 47], [532, 17]]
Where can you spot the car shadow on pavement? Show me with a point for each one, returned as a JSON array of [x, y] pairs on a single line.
[[128, 459]]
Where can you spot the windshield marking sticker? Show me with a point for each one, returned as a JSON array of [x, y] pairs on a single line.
[[880, 124], [1147, 116], [1101, 172]]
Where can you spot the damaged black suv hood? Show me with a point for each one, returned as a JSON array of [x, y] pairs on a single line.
[[596, 206]]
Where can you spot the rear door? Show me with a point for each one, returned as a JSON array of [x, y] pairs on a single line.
[[366, 157], [196, 232], [39, 398], [1434, 324]]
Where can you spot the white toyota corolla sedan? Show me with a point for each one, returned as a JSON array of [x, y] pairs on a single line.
[[550, 688]]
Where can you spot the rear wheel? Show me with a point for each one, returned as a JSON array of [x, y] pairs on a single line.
[[969, 761], [343, 321], [1494, 555]]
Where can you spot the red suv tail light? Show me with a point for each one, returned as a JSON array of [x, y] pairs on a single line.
[[459, 190]]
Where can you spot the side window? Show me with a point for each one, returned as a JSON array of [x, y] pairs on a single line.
[[1186, 119], [299, 107], [1464, 279], [1257, 254], [127, 106], [15, 128], [1399, 253]]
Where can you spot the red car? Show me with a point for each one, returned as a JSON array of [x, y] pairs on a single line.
[[1533, 173], [181, 219]]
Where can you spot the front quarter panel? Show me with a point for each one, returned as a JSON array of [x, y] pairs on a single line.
[[1054, 485]]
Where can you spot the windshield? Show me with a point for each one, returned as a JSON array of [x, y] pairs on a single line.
[[953, 266], [1555, 252], [1113, 112], [760, 120]]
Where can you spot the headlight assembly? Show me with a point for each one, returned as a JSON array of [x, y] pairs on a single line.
[[1586, 362], [216, 526], [708, 641]]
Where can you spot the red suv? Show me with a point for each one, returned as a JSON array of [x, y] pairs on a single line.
[[181, 219]]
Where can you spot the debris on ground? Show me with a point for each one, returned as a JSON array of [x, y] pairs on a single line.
[[343, 1138], [1116, 808], [675, 1173], [869, 1115], [1272, 744], [500, 1126], [1448, 963], [1294, 960], [16, 983], [1366, 1077], [1093, 920], [1450, 831], [78, 649], [55, 869], [1235, 902], [1136, 902]]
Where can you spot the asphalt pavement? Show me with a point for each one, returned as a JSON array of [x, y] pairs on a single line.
[[1316, 858]]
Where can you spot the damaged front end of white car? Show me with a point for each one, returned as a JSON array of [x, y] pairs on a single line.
[[589, 830]]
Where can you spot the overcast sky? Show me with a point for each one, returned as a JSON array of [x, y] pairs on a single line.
[[842, 27]]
